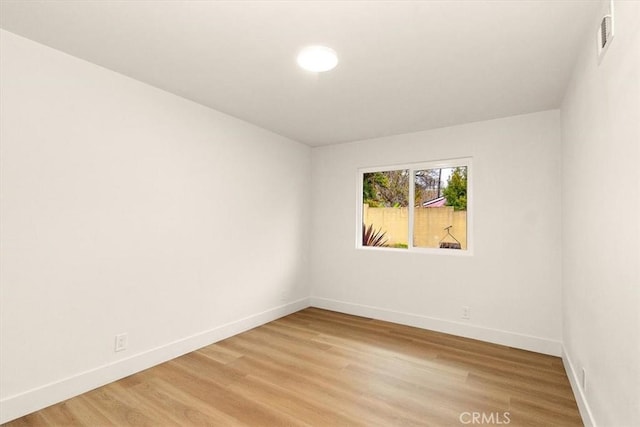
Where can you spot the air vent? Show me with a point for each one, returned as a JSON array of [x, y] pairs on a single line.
[[605, 32]]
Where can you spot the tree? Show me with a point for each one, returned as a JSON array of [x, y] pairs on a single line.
[[428, 185], [386, 189], [456, 191], [371, 184]]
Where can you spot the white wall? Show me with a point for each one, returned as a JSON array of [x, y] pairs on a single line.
[[128, 209], [601, 191], [511, 283]]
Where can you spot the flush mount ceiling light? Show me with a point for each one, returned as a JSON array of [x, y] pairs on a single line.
[[317, 58]]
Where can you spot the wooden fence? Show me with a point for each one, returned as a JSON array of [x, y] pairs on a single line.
[[429, 224]]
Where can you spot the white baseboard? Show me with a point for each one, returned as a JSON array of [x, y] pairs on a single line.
[[18, 405], [581, 399], [496, 336]]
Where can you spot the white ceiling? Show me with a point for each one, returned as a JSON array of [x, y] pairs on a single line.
[[404, 65]]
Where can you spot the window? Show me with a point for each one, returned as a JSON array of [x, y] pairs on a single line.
[[423, 207]]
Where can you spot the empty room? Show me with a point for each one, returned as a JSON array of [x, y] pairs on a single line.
[[320, 213]]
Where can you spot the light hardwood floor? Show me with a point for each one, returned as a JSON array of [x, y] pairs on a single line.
[[321, 368]]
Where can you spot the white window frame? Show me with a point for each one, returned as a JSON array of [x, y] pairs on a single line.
[[412, 167]]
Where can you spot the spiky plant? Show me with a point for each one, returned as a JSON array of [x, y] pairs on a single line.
[[372, 237]]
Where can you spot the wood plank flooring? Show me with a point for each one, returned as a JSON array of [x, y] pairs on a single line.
[[321, 368]]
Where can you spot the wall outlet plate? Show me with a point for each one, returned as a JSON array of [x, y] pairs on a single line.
[[121, 342], [466, 312]]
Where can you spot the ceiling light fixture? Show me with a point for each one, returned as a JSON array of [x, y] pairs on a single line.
[[317, 58]]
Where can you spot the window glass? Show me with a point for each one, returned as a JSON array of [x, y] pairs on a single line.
[[440, 214], [385, 215]]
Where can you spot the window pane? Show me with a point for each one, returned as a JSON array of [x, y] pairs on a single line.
[[385, 216], [440, 214]]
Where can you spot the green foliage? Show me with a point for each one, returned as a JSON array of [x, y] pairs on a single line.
[[456, 190], [372, 237], [386, 189], [391, 188], [371, 184], [400, 245]]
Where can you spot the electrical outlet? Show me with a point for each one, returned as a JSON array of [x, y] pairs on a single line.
[[584, 380], [466, 312], [121, 342]]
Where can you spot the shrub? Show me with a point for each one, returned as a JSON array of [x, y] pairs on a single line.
[[371, 237]]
